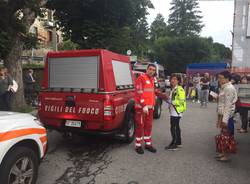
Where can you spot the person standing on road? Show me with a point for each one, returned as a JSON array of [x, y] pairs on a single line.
[[5, 85], [29, 82], [204, 90], [226, 108], [144, 107], [243, 111], [177, 105], [213, 86], [196, 82], [189, 87]]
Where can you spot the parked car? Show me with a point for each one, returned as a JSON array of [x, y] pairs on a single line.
[[88, 91], [23, 143], [158, 104]]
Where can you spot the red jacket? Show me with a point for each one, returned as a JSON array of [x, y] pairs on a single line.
[[144, 91]]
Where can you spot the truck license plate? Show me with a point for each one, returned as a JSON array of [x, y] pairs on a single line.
[[71, 123]]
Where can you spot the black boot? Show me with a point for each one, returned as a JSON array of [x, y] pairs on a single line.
[[170, 145], [139, 150], [151, 149]]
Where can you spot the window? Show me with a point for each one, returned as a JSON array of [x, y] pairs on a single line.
[[122, 73], [74, 72], [34, 30], [50, 36], [57, 38], [49, 13]]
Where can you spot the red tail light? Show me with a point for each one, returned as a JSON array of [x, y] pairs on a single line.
[[109, 110]]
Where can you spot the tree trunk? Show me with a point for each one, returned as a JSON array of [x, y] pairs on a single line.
[[14, 66]]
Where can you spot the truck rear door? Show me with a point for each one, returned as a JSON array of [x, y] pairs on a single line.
[[72, 88]]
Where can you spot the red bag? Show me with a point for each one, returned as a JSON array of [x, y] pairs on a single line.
[[225, 142]]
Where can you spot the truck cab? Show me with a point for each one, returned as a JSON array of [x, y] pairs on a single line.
[[88, 91]]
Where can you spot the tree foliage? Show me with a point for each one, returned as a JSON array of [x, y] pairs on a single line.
[[111, 24], [176, 52], [158, 28], [185, 18], [68, 45], [220, 52]]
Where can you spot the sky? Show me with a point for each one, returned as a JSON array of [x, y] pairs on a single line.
[[217, 18]]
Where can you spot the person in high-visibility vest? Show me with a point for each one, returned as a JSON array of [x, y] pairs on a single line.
[[177, 105], [144, 107]]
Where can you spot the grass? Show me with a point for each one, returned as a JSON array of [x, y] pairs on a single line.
[[33, 66], [28, 66], [24, 109]]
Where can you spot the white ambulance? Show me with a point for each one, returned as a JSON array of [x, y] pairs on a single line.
[[23, 143]]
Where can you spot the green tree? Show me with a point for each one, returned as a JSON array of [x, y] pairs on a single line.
[[158, 28], [68, 45], [175, 53], [220, 52], [141, 38], [16, 17], [109, 24], [185, 18]]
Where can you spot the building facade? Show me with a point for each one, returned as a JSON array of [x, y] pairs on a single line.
[[241, 37], [48, 37]]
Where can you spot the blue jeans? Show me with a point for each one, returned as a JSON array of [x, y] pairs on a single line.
[[230, 126]]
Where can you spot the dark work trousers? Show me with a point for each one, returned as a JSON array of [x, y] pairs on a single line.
[[244, 117], [5, 101], [29, 95], [175, 130]]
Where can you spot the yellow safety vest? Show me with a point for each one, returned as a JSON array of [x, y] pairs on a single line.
[[179, 99]]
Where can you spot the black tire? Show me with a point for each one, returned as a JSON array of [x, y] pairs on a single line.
[[157, 110], [16, 156], [129, 128]]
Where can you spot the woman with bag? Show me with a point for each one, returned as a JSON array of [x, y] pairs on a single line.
[[177, 105], [225, 143]]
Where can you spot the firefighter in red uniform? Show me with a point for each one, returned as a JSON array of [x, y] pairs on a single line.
[[144, 107]]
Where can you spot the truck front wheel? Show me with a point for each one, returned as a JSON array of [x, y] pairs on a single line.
[[129, 128], [157, 110]]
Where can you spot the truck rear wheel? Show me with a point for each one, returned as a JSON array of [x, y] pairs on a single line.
[[129, 128]]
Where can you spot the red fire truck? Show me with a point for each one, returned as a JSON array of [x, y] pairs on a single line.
[[88, 91]]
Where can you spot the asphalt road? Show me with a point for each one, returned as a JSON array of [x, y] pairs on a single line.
[[100, 160]]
